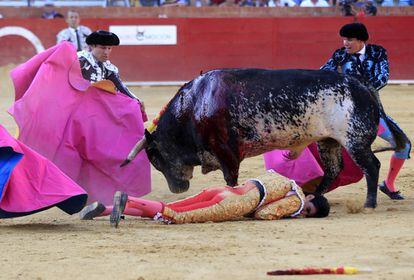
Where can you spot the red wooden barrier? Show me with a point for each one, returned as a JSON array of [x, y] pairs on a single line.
[[208, 43]]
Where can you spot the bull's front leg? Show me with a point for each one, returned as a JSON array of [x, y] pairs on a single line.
[[229, 163], [231, 174]]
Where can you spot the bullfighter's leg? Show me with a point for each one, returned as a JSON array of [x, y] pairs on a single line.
[[396, 162], [331, 156], [195, 207], [98, 209], [134, 206], [370, 165]]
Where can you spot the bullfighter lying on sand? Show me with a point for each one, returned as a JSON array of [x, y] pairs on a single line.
[[269, 197]]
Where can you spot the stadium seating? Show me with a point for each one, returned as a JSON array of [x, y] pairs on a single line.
[[57, 3]]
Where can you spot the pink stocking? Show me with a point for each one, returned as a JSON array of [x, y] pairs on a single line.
[[108, 210], [145, 207], [128, 211], [395, 167]]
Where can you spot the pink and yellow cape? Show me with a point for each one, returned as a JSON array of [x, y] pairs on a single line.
[[30, 183], [87, 131], [308, 166]]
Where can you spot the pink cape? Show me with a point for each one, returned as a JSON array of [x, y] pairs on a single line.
[[308, 166], [34, 182], [87, 132]]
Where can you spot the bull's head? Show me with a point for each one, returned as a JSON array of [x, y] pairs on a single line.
[[177, 167]]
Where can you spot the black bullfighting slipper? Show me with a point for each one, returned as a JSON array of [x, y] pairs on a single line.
[[91, 211], [120, 200], [393, 195]]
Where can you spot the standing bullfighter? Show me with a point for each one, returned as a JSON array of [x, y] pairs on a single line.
[[369, 63], [95, 64]]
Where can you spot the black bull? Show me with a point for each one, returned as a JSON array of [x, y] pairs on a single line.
[[224, 116]]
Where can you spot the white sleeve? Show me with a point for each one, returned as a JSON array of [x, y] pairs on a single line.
[[87, 30], [60, 36]]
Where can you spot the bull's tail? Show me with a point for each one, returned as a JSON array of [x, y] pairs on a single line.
[[383, 149], [400, 138]]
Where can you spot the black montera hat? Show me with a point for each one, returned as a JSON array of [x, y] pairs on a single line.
[[102, 37], [354, 30]]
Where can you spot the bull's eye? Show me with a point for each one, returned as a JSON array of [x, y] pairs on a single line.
[[155, 160]]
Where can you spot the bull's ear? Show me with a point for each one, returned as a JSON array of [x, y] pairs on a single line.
[[148, 136]]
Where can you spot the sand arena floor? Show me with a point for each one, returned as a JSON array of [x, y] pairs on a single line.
[[53, 245]]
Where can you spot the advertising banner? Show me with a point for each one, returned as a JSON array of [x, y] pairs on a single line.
[[145, 34]]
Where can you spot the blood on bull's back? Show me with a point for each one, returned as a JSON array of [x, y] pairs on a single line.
[[267, 110]]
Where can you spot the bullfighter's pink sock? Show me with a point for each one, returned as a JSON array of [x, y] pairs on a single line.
[[108, 210], [128, 211], [395, 167], [133, 211], [147, 208]]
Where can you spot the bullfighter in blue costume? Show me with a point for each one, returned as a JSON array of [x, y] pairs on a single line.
[[369, 63]]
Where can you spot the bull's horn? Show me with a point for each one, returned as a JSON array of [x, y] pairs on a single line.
[[133, 153]]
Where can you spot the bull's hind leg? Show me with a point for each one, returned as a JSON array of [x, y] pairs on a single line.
[[370, 165], [331, 156]]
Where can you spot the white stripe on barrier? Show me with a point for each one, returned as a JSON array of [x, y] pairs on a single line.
[[155, 83], [401, 82], [25, 33]]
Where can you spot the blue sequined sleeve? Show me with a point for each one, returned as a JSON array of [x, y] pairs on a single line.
[[333, 63], [381, 69], [330, 65]]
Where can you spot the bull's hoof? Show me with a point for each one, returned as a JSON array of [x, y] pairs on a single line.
[[368, 210], [370, 205]]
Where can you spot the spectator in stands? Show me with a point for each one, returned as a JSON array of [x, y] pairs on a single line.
[[387, 3], [50, 12], [216, 2], [281, 3], [247, 3], [403, 3], [174, 2], [368, 8], [118, 3], [347, 7], [149, 3], [75, 33], [261, 3], [314, 3]]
